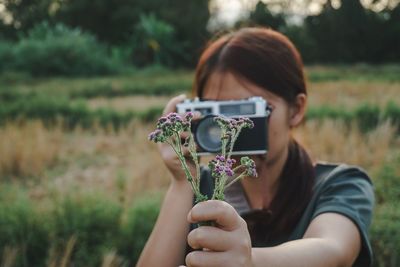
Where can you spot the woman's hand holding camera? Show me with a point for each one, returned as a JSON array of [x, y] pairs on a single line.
[[170, 158], [225, 244]]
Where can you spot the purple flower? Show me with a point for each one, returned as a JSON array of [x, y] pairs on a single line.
[[157, 136], [229, 172], [220, 158], [220, 166], [250, 166], [189, 116], [231, 162]]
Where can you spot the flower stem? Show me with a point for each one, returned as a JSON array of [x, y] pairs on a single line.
[[236, 179]]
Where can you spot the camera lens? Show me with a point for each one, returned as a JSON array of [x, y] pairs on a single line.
[[208, 135]]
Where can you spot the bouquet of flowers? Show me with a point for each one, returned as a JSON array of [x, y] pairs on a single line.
[[224, 169]]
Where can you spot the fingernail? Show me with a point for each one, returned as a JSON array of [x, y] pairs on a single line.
[[196, 114], [189, 217]]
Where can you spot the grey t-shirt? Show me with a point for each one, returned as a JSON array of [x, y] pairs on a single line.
[[342, 189]]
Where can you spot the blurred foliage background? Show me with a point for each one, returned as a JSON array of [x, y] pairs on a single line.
[[82, 82], [172, 33]]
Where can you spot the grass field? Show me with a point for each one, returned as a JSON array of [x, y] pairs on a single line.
[[55, 170]]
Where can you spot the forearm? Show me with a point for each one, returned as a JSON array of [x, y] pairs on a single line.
[[166, 244], [309, 252]]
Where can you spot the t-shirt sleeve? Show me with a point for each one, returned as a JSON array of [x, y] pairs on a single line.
[[350, 193]]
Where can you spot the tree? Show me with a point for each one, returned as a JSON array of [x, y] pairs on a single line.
[[262, 16], [392, 36], [342, 35], [25, 14], [115, 22]]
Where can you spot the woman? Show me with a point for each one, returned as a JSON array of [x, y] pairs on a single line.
[[295, 213]]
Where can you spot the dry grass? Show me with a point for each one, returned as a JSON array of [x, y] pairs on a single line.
[[122, 163], [125, 164], [28, 149], [332, 140], [110, 259], [345, 94], [136, 103], [348, 94], [339, 93], [9, 256]]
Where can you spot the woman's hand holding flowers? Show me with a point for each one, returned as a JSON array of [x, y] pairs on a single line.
[[227, 243], [168, 155]]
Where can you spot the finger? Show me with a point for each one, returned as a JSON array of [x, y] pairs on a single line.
[[206, 259], [196, 115], [184, 135], [212, 238], [171, 105], [221, 212], [186, 152]]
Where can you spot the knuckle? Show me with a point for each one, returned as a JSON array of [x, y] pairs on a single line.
[[192, 259], [241, 261], [224, 208], [242, 222], [243, 244], [199, 236], [195, 238]]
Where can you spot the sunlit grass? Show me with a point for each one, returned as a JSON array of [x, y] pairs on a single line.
[[49, 163], [348, 95], [28, 149], [334, 141], [125, 164], [135, 103]]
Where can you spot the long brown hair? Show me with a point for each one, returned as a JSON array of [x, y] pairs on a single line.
[[268, 59]]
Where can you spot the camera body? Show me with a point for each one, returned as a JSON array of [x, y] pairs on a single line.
[[207, 133]]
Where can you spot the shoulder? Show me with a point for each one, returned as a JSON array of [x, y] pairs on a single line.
[[339, 174], [346, 190], [342, 186]]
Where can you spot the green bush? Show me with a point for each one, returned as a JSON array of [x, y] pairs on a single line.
[[155, 87], [94, 220], [367, 116], [137, 227], [7, 57], [99, 224], [50, 110], [154, 42], [46, 109], [40, 235], [57, 50], [386, 184], [150, 115], [356, 73], [327, 112], [392, 113], [53, 110], [24, 228], [385, 235]]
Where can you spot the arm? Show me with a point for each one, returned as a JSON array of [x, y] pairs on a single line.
[[330, 240], [167, 242]]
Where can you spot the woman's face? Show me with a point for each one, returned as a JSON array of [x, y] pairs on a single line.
[[225, 86]]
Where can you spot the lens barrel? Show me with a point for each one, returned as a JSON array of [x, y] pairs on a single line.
[[208, 135]]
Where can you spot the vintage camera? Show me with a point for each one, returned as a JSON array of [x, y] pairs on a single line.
[[207, 133]]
